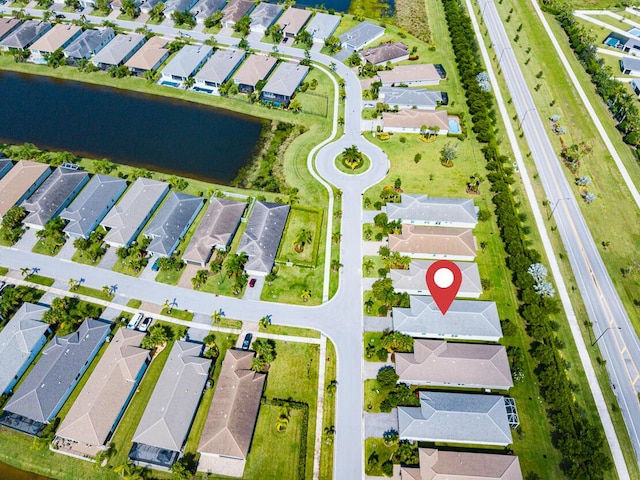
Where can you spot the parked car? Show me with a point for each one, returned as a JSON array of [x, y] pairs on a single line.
[[252, 282], [247, 341], [133, 323], [60, 16], [155, 267], [144, 325], [285, 39]]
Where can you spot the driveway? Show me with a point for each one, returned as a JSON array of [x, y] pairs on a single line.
[[27, 241], [253, 293], [109, 259], [375, 424], [377, 324], [367, 215], [371, 248], [67, 250], [198, 334], [371, 369]]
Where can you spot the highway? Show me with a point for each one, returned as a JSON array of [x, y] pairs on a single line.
[[619, 343]]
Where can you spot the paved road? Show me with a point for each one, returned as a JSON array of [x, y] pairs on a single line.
[[619, 344], [340, 319]]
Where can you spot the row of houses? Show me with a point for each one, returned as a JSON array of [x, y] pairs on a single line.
[[94, 416], [447, 352], [86, 202]]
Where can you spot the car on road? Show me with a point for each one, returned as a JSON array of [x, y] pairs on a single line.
[[252, 282], [247, 341], [133, 323], [144, 325], [60, 16], [285, 39]]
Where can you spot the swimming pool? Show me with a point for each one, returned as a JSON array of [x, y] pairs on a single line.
[[454, 126]]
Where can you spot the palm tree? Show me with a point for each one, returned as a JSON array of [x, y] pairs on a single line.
[[26, 272], [73, 284], [167, 305], [264, 322], [216, 317], [306, 295], [106, 289], [189, 82], [304, 236], [200, 278], [329, 433], [352, 157], [270, 278], [368, 266], [335, 265], [369, 303], [332, 387], [129, 471], [335, 237]]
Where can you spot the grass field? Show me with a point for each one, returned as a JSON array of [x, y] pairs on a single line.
[[326, 457], [93, 292], [40, 280], [299, 219]]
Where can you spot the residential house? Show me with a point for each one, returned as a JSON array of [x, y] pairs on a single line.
[[95, 414], [412, 121], [456, 418], [451, 465], [43, 392], [205, 8], [118, 51], [446, 364], [87, 44], [292, 21], [185, 64], [360, 36], [126, 219], [322, 26], [234, 11], [5, 166], [171, 222], [21, 340], [53, 195], [391, 52], [635, 86], [178, 6], [418, 98], [282, 86], [162, 431], [61, 35], [92, 204], [631, 46], [228, 430], [412, 281], [150, 56], [421, 209], [434, 243], [218, 70], [21, 181], [24, 35], [418, 75], [147, 5], [264, 15], [261, 239], [465, 320], [8, 25], [630, 66], [215, 230], [256, 67]]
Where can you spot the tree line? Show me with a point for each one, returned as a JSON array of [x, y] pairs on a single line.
[[579, 440]]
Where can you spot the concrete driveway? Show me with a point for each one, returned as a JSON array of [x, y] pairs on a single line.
[[109, 259], [253, 293], [375, 424], [27, 241], [67, 250]]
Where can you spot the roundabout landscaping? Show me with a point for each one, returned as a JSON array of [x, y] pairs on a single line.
[[352, 161]]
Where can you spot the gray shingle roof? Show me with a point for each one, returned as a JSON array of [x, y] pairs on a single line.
[[456, 418], [206, 8], [262, 237], [387, 52], [172, 222], [424, 210], [177, 6], [235, 10], [43, 392], [630, 63], [286, 79], [18, 339], [264, 15], [130, 214], [216, 229], [361, 34], [413, 281], [53, 195], [322, 26], [411, 97], [93, 415], [118, 50], [89, 43], [468, 319], [92, 204], [220, 66], [5, 165], [26, 34], [187, 60], [167, 418]]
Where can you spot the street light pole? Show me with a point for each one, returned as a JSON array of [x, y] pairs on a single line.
[[555, 205], [605, 331]]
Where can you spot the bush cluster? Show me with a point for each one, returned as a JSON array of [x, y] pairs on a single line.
[[579, 441]]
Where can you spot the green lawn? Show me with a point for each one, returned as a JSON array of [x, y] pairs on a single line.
[[301, 218], [40, 280], [362, 168], [292, 331], [290, 284], [377, 446], [93, 292], [328, 412], [134, 303], [46, 247], [373, 395], [378, 263], [4, 270], [179, 314], [171, 277]]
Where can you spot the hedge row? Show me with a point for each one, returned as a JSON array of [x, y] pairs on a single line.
[[579, 441]]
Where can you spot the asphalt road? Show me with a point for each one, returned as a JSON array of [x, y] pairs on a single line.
[[619, 343], [340, 319]]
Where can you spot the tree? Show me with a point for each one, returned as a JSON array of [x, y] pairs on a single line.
[[213, 20], [335, 237], [56, 58], [129, 471], [271, 277], [44, 4], [354, 60], [334, 45], [304, 37], [303, 237], [181, 470], [12, 226], [276, 33], [329, 434], [200, 279], [306, 295], [417, 158], [369, 303], [265, 349], [130, 9], [352, 157], [335, 265], [265, 321], [183, 19], [332, 386], [448, 154], [74, 4], [387, 377], [157, 12], [158, 335], [103, 6], [151, 76], [243, 26]]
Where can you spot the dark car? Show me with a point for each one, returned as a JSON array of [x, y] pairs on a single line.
[[60, 16], [247, 341], [144, 325], [252, 282], [155, 267], [285, 39]]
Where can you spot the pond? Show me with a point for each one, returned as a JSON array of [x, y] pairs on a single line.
[[149, 131], [9, 473]]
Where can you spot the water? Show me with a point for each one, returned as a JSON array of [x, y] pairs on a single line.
[[142, 130], [9, 473]]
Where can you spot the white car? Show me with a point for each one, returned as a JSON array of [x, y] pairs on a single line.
[[133, 323]]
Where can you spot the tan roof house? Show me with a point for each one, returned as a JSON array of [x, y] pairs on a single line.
[[473, 365], [228, 430], [59, 36], [7, 25], [411, 121], [96, 412], [448, 465], [149, 57], [254, 69], [387, 52], [21, 181], [413, 75], [292, 21], [234, 11], [434, 242]]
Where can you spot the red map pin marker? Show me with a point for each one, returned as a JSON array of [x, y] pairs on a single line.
[[443, 280]]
